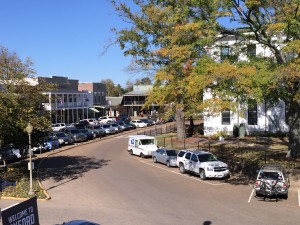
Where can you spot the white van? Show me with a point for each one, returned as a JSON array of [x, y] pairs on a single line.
[[142, 145]]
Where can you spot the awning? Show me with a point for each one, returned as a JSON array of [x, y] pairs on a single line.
[[93, 109], [100, 106]]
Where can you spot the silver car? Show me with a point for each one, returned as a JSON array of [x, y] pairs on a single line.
[[272, 181], [75, 134], [108, 128], [165, 156]]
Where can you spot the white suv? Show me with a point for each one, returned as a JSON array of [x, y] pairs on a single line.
[[58, 126], [106, 119], [203, 163]]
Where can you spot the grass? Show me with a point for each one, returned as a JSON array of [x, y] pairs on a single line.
[[18, 175], [243, 156]]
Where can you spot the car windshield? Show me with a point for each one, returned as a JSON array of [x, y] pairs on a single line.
[[171, 153], [106, 125], [84, 131], [270, 176], [147, 141], [61, 135], [75, 131], [206, 157]]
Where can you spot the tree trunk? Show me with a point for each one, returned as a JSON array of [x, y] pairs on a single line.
[[293, 111], [180, 123], [191, 127]]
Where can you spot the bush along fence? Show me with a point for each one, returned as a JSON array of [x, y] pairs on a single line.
[[238, 153], [159, 130]]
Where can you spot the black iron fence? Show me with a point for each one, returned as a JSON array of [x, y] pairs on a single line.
[[159, 130]]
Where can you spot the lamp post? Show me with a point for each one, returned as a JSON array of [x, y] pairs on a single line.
[[29, 129]]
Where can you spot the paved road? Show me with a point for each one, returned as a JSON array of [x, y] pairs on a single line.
[[101, 182]]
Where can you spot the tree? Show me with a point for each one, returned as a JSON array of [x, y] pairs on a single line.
[[112, 89], [143, 81], [168, 37], [275, 25], [20, 101]]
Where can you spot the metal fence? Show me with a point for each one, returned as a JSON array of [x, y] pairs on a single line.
[[159, 130]]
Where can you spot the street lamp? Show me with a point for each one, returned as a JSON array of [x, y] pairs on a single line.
[[29, 129]]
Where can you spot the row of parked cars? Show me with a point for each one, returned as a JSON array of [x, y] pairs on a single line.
[[200, 162], [272, 180], [84, 130]]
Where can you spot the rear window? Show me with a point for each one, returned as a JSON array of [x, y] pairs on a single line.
[[270, 176], [181, 153], [171, 153]]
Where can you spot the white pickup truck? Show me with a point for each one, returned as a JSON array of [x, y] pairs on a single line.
[[203, 163], [142, 145]]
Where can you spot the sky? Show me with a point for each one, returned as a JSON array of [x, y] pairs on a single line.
[[65, 38]]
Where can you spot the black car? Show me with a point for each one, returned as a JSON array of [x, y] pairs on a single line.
[[81, 124], [131, 126]]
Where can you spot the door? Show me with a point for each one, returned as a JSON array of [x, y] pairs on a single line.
[[186, 161], [193, 165]]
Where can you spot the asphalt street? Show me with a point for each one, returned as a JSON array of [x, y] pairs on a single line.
[[101, 182]]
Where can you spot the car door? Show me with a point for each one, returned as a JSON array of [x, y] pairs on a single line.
[[160, 155], [186, 160], [193, 164]]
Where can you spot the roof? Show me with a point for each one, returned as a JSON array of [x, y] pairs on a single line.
[[141, 136], [271, 167], [114, 101]]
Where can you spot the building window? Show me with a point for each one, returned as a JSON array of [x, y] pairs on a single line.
[[224, 52], [251, 50], [252, 113], [226, 117]]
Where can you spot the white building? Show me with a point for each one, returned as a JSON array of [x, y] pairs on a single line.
[[73, 101], [257, 117]]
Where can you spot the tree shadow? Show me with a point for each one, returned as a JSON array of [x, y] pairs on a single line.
[[68, 167]]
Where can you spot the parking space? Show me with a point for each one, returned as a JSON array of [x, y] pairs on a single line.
[[292, 201]]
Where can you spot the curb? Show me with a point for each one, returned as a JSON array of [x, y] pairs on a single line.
[[59, 151]]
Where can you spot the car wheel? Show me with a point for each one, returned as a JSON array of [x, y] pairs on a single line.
[[154, 159], [142, 155], [181, 168], [168, 164], [130, 152], [202, 174], [286, 196]]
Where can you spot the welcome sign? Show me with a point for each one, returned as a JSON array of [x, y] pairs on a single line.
[[24, 213]]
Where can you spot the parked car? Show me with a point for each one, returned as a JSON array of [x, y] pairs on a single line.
[[88, 133], [131, 125], [91, 121], [75, 134], [203, 163], [46, 144], [58, 126], [10, 152], [106, 119], [81, 124], [123, 125], [138, 123], [149, 122], [117, 127], [63, 138], [108, 128], [165, 156], [272, 181], [97, 129], [122, 117]]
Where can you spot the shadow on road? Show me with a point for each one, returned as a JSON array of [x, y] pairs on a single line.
[[68, 167]]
